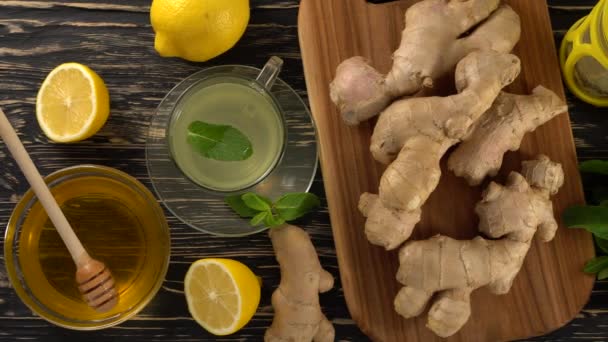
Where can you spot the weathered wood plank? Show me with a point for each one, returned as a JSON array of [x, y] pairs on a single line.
[[115, 38]]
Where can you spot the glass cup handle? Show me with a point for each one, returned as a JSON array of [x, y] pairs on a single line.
[[270, 72]]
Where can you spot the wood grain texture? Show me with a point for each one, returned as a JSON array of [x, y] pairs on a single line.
[[551, 288], [115, 38]]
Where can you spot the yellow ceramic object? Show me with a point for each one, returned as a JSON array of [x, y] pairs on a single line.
[[587, 42], [198, 30]]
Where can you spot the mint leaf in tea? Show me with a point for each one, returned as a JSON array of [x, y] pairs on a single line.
[[219, 142], [226, 134]]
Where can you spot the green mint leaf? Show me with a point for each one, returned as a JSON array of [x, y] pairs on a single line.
[[603, 274], [273, 221], [238, 205], [592, 218], [597, 264], [595, 166], [259, 218], [257, 202], [296, 205], [219, 142], [602, 244]]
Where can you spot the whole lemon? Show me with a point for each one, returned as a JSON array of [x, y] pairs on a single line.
[[198, 30]]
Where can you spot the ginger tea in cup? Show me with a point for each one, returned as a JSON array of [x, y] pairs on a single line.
[[238, 103], [262, 127]]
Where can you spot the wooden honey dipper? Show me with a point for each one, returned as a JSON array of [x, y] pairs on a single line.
[[95, 282]]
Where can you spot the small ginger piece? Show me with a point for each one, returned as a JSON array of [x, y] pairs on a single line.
[[543, 173], [432, 44], [413, 134], [298, 315], [523, 208], [502, 129], [452, 269], [386, 227]]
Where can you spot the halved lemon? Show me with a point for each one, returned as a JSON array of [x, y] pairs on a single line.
[[72, 104], [222, 294]]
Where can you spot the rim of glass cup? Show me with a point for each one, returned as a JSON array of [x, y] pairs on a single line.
[[275, 103], [230, 71], [13, 232]]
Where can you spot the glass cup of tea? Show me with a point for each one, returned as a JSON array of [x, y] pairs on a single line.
[[257, 104]]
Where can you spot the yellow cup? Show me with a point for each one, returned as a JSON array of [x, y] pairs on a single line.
[[584, 56]]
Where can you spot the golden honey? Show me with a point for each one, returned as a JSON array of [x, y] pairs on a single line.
[[119, 223]]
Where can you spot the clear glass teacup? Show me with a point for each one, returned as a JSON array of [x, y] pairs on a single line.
[[259, 105]]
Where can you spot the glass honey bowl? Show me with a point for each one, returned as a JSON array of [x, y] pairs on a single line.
[[118, 221]]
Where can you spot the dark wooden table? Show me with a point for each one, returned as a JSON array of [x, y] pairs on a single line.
[[114, 37]]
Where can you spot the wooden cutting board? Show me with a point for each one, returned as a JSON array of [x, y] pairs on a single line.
[[549, 291]]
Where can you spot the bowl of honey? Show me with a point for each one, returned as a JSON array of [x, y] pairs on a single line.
[[118, 221]]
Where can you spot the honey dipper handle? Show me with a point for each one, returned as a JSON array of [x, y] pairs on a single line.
[[8, 134]]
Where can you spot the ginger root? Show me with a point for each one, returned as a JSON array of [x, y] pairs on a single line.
[[418, 132], [502, 129], [386, 227], [298, 315], [454, 268], [413, 134], [432, 44]]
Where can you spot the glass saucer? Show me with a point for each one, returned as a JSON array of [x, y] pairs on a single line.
[[204, 209]]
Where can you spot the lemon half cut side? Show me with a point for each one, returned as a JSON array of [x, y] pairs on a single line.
[[73, 103], [222, 294]]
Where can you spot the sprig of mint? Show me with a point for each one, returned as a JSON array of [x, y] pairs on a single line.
[[595, 166], [219, 142], [593, 218], [260, 209]]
